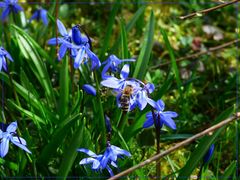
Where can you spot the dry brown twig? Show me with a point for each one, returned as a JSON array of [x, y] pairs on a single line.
[[205, 11], [191, 56], [177, 146]]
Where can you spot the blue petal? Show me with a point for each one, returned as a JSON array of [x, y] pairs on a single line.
[[209, 154], [62, 51], [120, 151], [44, 16], [12, 127], [89, 89], [17, 8], [141, 100], [20, 143], [110, 171], [167, 121], [79, 58], [105, 158], [150, 87], [76, 35], [104, 71], [124, 72], [111, 82], [34, 16], [53, 41], [170, 114], [61, 28], [151, 102], [5, 13], [4, 146], [9, 56], [87, 151], [1, 60], [148, 122], [95, 61], [2, 5], [160, 105]]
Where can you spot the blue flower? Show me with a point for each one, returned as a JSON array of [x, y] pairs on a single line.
[[83, 46], [9, 135], [112, 63], [40, 14], [208, 155], [162, 118], [65, 41], [95, 160], [139, 94], [100, 162], [3, 55], [8, 7], [89, 89]]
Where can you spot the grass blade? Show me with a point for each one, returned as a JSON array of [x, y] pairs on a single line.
[[143, 59]]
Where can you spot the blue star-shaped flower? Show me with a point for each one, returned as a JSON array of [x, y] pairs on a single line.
[[65, 40], [112, 63], [8, 7], [40, 14], [163, 118], [9, 135], [83, 46], [100, 162], [3, 55], [139, 95]]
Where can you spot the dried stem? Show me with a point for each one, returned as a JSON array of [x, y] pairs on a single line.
[[177, 146], [205, 11], [191, 56]]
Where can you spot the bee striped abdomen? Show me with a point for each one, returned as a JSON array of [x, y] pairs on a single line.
[[125, 98]]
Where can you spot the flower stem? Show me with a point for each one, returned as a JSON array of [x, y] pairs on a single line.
[[123, 120], [101, 112], [157, 131]]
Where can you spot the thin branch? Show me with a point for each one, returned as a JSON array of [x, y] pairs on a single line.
[[191, 56], [177, 146], [205, 11]]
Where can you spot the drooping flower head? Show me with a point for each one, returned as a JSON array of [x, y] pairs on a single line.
[[3, 55], [138, 95], [64, 41], [100, 162], [11, 135], [113, 63], [162, 117], [208, 155], [40, 14], [9, 6], [84, 50], [89, 89]]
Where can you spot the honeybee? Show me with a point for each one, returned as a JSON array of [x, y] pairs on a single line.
[[125, 98]]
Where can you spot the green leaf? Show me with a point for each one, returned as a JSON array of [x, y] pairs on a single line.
[[36, 119], [202, 148], [31, 50], [57, 139], [108, 32], [64, 88], [129, 26], [143, 59], [70, 153], [124, 43], [172, 57], [229, 171]]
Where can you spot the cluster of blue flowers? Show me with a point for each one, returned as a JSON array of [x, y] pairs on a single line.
[[113, 76], [12, 6], [8, 133]]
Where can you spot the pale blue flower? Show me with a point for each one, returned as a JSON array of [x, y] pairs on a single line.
[[40, 14], [162, 117], [9, 6], [3, 55], [11, 135], [113, 63]]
